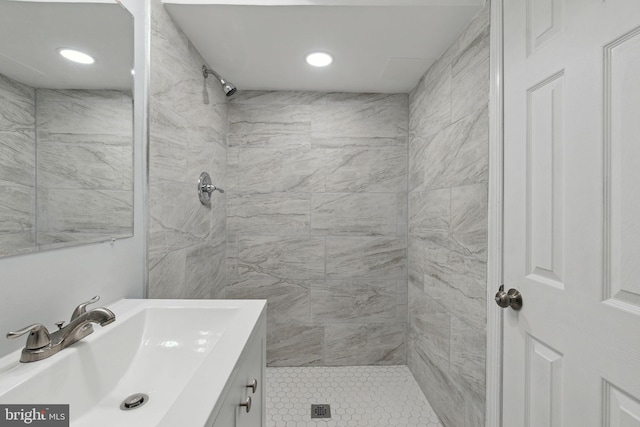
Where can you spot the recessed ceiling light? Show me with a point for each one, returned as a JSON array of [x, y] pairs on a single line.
[[76, 56], [319, 59]]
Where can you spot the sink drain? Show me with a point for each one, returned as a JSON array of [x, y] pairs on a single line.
[[134, 401]]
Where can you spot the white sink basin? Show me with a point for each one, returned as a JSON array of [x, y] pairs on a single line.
[[178, 352]]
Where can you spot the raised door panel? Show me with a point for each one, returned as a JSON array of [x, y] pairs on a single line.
[[543, 385], [622, 150], [620, 408], [545, 219], [544, 22]]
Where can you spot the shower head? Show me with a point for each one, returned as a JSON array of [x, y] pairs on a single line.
[[228, 87]]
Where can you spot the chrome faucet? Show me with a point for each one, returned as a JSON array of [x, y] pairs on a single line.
[[42, 344]]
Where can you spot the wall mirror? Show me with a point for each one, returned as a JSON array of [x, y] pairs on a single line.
[[66, 128]]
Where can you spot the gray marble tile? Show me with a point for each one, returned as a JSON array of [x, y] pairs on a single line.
[[352, 98], [18, 154], [167, 276], [268, 140], [429, 328], [205, 152], [266, 171], [439, 389], [295, 258], [359, 301], [17, 105], [56, 240], [17, 243], [213, 95], [233, 165], [13, 88], [402, 210], [415, 262], [402, 301], [204, 270], [104, 211], [358, 142], [258, 97], [280, 97], [93, 118], [86, 166], [417, 162], [176, 207], [469, 210], [369, 120], [82, 96], [367, 214], [169, 55], [287, 300], [458, 155], [474, 53], [218, 216], [17, 210], [272, 120], [430, 107], [101, 138], [268, 214], [474, 29], [176, 218], [475, 408], [232, 260], [187, 136], [295, 344], [172, 74], [457, 281], [447, 177], [219, 279], [17, 168], [470, 91], [429, 215], [471, 162], [165, 31], [366, 169], [167, 145], [366, 257], [198, 100], [468, 350], [376, 344]]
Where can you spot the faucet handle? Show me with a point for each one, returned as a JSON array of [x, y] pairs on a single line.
[[38, 336], [82, 308]]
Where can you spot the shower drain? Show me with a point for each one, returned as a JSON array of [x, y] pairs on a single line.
[[322, 410], [134, 401]]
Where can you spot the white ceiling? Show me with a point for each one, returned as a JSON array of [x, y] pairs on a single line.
[[378, 45], [32, 31]]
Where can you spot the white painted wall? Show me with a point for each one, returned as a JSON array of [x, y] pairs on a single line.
[[45, 287]]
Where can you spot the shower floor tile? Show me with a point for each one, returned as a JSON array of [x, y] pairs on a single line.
[[371, 396]]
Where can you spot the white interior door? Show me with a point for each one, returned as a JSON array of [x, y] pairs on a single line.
[[572, 212]]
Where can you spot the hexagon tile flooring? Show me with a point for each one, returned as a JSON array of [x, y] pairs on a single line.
[[371, 396]]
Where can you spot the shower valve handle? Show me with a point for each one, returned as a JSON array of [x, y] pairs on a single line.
[[205, 188], [210, 188]]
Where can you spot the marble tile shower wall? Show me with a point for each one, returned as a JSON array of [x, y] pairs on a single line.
[[188, 122], [448, 173], [85, 164], [84, 161], [18, 168], [317, 223]]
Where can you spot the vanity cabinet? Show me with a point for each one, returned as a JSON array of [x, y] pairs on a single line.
[[239, 389]]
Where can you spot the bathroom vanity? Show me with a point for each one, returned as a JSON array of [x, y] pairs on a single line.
[[162, 363], [243, 400]]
